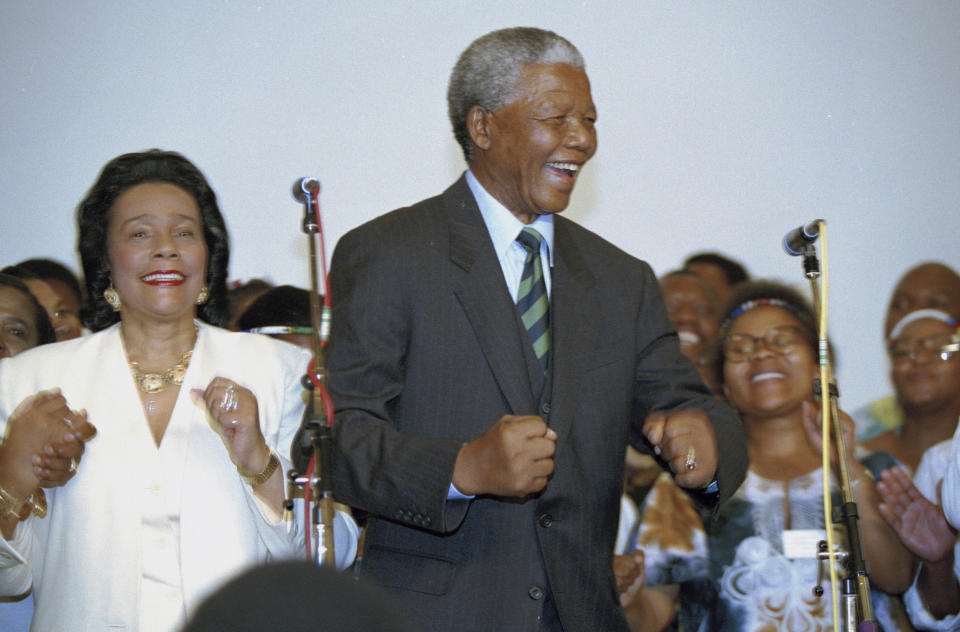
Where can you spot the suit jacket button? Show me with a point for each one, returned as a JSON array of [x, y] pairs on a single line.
[[545, 408], [535, 592], [545, 520]]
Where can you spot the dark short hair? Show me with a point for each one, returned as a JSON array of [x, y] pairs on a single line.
[[240, 295], [734, 272], [45, 332], [281, 305], [682, 272], [120, 174], [300, 594], [18, 271], [50, 269]]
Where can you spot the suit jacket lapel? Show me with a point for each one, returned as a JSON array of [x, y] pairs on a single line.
[[575, 314], [485, 299]]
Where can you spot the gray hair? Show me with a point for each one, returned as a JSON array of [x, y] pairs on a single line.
[[488, 71]]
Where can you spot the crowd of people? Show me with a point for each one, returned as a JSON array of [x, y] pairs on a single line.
[[532, 431]]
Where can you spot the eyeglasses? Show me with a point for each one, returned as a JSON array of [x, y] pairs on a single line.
[[280, 330], [779, 340], [942, 346]]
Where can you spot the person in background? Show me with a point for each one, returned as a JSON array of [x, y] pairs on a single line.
[[721, 272], [23, 325], [297, 596], [668, 544], [184, 484], [929, 285], [762, 562], [490, 360], [282, 312], [694, 309], [239, 297], [23, 320], [66, 323], [664, 533], [925, 371], [58, 276]]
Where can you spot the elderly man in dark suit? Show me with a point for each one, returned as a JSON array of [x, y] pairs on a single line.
[[486, 387]]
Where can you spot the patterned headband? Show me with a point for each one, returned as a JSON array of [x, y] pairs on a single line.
[[746, 306]]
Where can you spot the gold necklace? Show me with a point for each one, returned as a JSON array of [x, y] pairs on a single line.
[[156, 382]]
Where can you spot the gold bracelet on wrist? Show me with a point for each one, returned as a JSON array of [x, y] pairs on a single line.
[[256, 479], [10, 505]]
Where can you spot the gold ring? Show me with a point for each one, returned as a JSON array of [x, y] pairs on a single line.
[[690, 460], [73, 466]]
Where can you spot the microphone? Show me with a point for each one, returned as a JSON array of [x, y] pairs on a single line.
[[800, 237], [303, 188]]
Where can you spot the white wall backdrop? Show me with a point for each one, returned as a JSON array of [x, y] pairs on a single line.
[[722, 125]]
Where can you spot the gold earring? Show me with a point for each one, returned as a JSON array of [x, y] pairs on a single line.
[[111, 296], [203, 296]]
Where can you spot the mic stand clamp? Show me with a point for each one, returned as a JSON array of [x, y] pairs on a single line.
[[315, 439], [811, 265]]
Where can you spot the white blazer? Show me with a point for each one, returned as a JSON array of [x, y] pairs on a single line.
[[83, 559]]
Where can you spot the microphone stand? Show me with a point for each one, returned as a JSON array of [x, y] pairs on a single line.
[[315, 435], [847, 514]]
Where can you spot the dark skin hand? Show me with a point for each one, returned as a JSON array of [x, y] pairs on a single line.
[[43, 445], [683, 434], [924, 530], [631, 575], [46, 434], [513, 458], [920, 523]]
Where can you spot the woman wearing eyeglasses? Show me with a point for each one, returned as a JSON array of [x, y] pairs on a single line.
[[925, 370], [762, 547]]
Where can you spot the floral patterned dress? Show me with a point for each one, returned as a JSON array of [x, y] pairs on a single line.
[[759, 579]]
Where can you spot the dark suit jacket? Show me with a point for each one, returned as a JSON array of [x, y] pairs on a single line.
[[426, 353]]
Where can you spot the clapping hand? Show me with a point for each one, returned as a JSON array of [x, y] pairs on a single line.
[[919, 523]]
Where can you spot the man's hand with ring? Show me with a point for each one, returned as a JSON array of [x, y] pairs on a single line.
[[685, 441], [690, 460]]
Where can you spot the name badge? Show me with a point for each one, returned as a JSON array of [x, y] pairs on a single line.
[[802, 543]]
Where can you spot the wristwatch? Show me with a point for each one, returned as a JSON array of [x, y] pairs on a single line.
[[256, 479]]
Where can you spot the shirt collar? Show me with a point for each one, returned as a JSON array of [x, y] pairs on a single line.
[[503, 225]]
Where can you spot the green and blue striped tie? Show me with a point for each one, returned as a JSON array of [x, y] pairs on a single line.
[[532, 298]]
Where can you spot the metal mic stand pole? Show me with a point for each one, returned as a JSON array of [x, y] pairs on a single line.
[[317, 427], [848, 515]]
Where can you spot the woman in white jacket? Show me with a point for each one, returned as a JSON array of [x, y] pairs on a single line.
[[183, 485]]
